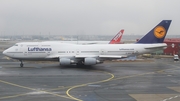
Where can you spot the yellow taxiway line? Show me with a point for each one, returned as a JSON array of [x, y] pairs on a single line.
[[73, 87], [112, 78], [16, 85], [76, 86]]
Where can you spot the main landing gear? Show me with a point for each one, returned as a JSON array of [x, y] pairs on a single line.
[[21, 64]]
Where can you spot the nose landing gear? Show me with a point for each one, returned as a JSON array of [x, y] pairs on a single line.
[[21, 64]]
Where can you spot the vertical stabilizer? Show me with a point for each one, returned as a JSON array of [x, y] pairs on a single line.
[[157, 34], [117, 38]]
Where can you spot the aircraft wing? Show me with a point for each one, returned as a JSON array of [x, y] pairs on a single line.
[[113, 56], [101, 56], [86, 56]]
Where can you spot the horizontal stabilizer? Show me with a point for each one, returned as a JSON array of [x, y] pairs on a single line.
[[156, 46]]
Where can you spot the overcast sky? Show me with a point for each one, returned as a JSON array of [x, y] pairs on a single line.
[[76, 17]]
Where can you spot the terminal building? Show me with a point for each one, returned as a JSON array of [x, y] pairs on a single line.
[[173, 46]]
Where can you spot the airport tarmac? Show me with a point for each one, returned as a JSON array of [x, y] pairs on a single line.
[[156, 80]]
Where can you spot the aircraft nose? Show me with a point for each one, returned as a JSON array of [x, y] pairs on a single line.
[[5, 52]]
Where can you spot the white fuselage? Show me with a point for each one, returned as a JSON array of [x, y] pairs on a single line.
[[52, 50]]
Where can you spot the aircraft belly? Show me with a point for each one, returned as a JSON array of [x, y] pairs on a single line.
[[37, 59]]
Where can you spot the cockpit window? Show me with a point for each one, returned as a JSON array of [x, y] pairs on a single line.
[[16, 45]]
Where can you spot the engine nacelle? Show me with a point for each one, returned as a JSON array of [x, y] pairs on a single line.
[[90, 61], [64, 61], [67, 61]]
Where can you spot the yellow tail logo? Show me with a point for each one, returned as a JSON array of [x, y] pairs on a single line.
[[159, 32]]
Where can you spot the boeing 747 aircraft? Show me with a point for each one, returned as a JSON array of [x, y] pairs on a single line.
[[90, 54]]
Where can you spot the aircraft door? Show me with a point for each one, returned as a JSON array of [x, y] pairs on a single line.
[[48, 53], [103, 51], [25, 52], [15, 49], [45, 50], [19, 50], [78, 52], [42, 54]]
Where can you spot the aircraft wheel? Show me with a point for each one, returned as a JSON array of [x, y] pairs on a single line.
[[21, 65], [79, 64]]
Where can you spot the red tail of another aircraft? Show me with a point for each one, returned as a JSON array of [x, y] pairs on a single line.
[[117, 38]]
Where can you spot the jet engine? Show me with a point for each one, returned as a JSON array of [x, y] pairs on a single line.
[[64, 61], [91, 61]]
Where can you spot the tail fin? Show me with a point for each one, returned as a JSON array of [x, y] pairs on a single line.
[[117, 38], [157, 34]]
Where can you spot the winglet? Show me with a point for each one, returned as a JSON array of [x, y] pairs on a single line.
[[157, 34], [117, 38]]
